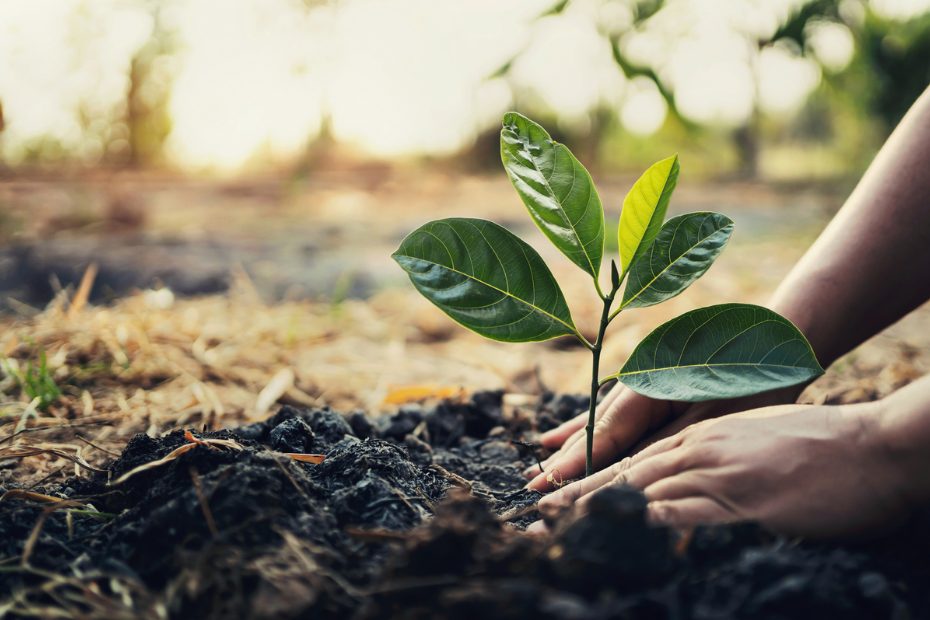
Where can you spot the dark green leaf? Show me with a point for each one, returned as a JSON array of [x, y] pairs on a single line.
[[721, 351], [556, 189], [684, 249], [487, 279]]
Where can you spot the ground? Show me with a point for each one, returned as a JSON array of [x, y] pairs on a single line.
[[215, 304]]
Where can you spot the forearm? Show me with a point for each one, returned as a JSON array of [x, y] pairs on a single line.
[[871, 266]]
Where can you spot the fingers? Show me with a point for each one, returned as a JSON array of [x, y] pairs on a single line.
[[537, 468], [560, 434], [689, 512], [641, 474], [571, 493], [622, 423], [618, 473], [571, 462], [565, 435], [566, 467], [577, 436], [568, 433], [668, 431], [680, 513], [537, 528], [663, 445], [686, 484]]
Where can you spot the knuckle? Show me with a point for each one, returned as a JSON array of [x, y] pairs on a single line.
[[699, 455], [678, 461], [619, 471], [603, 424]]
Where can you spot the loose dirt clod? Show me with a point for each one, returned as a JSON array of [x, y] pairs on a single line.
[[412, 516]]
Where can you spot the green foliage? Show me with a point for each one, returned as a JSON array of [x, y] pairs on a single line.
[[684, 249], [487, 279], [644, 209], [35, 380], [556, 189], [493, 283], [720, 351]]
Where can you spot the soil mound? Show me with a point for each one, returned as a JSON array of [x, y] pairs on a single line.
[[417, 515]]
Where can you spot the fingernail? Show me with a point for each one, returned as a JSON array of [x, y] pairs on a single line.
[[537, 484]]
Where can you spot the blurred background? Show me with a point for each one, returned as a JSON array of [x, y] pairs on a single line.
[[274, 152]]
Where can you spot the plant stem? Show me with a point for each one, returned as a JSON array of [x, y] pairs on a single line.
[[614, 314], [595, 382]]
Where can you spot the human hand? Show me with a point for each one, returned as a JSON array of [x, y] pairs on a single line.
[[623, 418], [627, 421], [814, 471]]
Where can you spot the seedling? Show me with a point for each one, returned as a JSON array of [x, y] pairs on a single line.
[[490, 281], [35, 380]]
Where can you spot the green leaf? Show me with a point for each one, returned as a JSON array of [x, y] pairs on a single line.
[[720, 351], [684, 249], [486, 279], [556, 189], [644, 209]]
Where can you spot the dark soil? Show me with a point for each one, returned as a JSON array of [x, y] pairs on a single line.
[[417, 515]]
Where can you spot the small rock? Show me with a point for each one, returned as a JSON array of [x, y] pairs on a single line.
[[292, 435], [361, 425]]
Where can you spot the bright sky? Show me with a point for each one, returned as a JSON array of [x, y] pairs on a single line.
[[255, 78]]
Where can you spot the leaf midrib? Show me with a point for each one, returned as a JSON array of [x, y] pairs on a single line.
[[709, 366], [552, 193], [648, 223]]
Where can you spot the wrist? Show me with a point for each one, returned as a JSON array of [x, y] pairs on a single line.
[[898, 447]]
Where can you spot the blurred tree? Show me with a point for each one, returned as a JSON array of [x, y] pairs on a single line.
[[147, 117], [888, 71], [891, 63]]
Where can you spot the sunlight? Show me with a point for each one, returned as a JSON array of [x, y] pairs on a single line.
[[258, 84], [244, 84], [58, 57]]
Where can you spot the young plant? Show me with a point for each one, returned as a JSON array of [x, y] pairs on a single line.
[[35, 380], [493, 283]]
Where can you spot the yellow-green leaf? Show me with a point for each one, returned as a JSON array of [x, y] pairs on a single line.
[[644, 209]]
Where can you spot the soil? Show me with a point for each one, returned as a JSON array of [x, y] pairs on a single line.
[[417, 515]]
